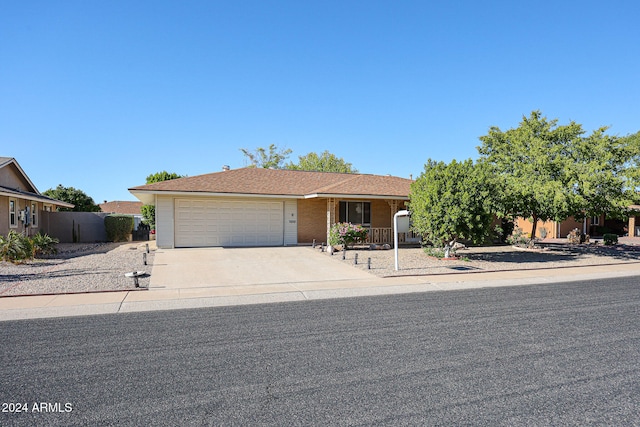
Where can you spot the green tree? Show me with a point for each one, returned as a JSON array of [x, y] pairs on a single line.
[[149, 211], [325, 162], [162, 176], [550, 171], [79, 198], [604, 170], [452, 201], [271, 157]]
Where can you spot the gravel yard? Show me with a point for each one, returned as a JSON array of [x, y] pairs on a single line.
[[101, 266], [413, 261], [78, 268]]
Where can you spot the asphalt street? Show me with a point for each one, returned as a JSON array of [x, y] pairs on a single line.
[[556, 354]]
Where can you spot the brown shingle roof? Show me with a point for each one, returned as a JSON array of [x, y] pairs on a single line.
[[121, 207], [259, 181]]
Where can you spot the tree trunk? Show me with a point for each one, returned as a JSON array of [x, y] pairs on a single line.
[[533, 231]]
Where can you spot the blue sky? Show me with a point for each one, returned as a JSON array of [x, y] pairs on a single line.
[[99, 94]]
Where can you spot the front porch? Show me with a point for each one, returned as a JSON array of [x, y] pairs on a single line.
[[377, 216], [382, 235]]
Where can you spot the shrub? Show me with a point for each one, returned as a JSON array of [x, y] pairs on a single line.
[[343, 233], [610, 239], [518, 238], [15, 247], [435, 252], [149, 215], [43, 244], [118, 227]]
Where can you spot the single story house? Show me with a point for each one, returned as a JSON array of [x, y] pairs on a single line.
[[271, 207], [20, 200], [593, 226]]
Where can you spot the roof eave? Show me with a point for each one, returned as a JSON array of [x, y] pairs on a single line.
[[37, 198], [148, 196], [356, 196]]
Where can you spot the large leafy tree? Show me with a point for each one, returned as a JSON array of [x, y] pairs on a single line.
[[452, 201], [149, 211], [604, 170], [268, 158], [82, 202], [552, 171], [325, 162], [162, 176]]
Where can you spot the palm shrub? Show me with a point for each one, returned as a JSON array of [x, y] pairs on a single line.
[[15, 247], [43, 244]]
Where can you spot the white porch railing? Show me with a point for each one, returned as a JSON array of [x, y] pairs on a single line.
[[382, 235]]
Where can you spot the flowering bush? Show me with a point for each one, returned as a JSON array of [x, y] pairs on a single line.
[[345, 233]]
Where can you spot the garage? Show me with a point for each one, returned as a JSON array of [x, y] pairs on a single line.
[[215, 222]]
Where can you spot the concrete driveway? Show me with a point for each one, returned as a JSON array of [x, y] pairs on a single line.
[[231, 267]]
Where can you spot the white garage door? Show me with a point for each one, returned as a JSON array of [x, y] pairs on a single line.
[[202, 223]]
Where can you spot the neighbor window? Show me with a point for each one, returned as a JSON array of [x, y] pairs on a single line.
[[34, 212], [355, 212], [13, 218], [595, 220]]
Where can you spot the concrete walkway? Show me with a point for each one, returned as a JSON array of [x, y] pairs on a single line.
[[196, 283]]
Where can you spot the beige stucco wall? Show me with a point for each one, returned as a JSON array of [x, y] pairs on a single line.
[[12, 178], [526, 225], [568, 225], [21, 204], [4, 215]]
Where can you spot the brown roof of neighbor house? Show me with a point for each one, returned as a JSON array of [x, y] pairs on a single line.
[[121, 207], [281, 182]]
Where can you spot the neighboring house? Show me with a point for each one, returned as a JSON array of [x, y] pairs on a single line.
[[633, 226], [123, 207], [21, 203], [593, 226], [271, 207]]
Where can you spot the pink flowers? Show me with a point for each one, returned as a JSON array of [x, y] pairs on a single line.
[[346, 233]]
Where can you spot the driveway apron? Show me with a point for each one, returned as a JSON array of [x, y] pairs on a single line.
[[219, 267]]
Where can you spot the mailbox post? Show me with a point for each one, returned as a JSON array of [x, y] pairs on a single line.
[[399, 226]]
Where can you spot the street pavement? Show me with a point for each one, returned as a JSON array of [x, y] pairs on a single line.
[[553, 354]]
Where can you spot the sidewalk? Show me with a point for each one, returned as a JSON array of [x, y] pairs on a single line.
[[44, 306]]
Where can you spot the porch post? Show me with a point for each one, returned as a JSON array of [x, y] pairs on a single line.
[[393, 204], [632, 226], [331, 215]]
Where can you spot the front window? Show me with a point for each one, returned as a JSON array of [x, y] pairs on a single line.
[[595, 220], [355, 213], [13, 219], [34, 212]]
